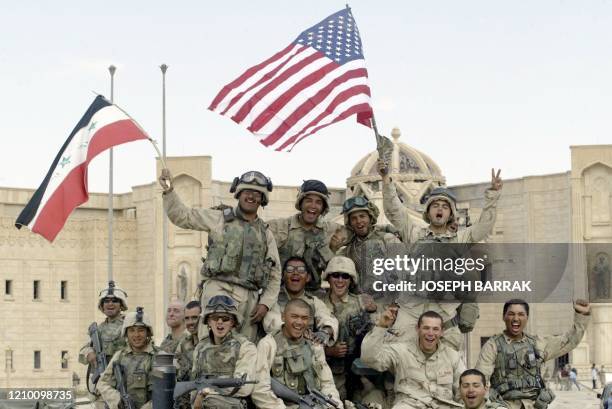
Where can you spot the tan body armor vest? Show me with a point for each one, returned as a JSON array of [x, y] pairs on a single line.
[[217, 360], [309, 245], [517, 369], [110, 333], [363, 252], [137, 367], [294, 365], [239, 257]]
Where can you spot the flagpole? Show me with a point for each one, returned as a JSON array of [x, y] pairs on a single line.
[[373, 122], [111, 70], [166, 275]]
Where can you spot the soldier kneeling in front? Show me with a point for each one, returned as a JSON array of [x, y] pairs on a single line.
[[291, 366], [225, 353], [126, 382]]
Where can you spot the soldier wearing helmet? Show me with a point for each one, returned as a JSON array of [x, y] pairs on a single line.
[[136, 360], [441, 213], [306, 234], [242, 257], [296, 276], [354, 322], [369, 241], [112, 301], [224, 353]]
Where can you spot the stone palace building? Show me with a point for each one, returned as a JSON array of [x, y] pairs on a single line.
[[48, 292]]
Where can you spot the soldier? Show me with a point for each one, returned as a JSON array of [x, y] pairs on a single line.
[[296, 275], [223, 353], [292, 360], [368, 241], [354, 322], [175, 319], [183, 356], [306, 234], [136, 360], [242, 254], [111, 302], [474, 389], [513, 359], [441, 214], [426, 374]]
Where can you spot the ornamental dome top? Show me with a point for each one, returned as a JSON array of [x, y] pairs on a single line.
[[413, 172]]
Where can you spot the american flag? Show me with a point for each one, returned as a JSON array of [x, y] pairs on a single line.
[[317, 80]]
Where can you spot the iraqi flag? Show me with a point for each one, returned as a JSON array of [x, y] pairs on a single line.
[[64, 188]]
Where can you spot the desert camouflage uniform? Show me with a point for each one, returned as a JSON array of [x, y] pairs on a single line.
[[183, 356], [234, 357], [312, 245], [523, 396], [352, 319], [363, 250], [170, 343], [139, 383], [295, 364], [246, 248], [421, 381], [412, 234], [112, 341]]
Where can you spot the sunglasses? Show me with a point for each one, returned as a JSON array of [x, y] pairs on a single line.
[[356, 201], [299, 269], [223, 318], [344, 276], [111, 300]]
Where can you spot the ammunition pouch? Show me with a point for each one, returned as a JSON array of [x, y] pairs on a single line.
[[545, 397]]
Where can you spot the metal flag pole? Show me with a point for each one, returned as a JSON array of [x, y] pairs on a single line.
[[166, 286], [112, 70]]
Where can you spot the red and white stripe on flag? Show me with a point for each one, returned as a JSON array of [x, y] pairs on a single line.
[[319, 79], [65, 186]]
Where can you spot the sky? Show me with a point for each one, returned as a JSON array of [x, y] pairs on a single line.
[[473, 84]]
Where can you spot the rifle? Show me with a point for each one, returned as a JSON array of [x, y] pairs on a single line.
[[96, 343], [182, 388], [313, 400], [126, 400]]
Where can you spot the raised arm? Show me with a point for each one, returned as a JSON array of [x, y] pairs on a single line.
[[558, 345], [184, 217], [482, 228]]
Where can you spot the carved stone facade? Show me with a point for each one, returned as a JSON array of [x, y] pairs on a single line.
[[568, 207]]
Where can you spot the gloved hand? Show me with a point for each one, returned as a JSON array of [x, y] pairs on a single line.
[[466, 317], [165, 181], [321, 337]]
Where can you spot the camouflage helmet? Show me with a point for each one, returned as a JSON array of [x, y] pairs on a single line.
[[340, 264], [136, 319], [112, 292], [221, 303], [359, 203], [252, 180], [441, 193], [313, 187]]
